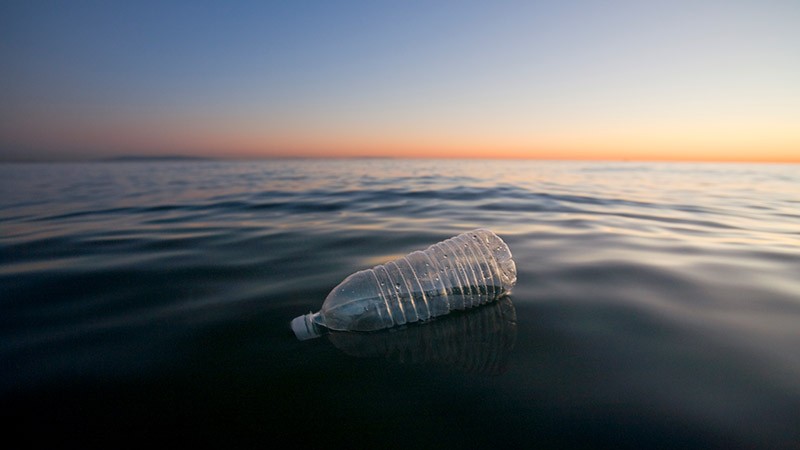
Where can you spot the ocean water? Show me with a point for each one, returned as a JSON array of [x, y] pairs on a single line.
[[657, 305]]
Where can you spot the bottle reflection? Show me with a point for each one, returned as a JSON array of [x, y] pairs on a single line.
[[478, 340]]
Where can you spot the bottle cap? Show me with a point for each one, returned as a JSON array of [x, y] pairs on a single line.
[[305, 328]]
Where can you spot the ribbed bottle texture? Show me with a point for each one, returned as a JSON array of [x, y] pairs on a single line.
[[462, 272]]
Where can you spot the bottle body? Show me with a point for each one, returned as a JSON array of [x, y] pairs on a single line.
[[462, 272]]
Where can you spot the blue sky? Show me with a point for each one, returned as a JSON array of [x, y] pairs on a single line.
[[647, 80]]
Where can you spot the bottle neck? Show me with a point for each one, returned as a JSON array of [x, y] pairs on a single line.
[[308, 326]]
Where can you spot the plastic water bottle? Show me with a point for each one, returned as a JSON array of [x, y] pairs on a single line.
[[464, 271]]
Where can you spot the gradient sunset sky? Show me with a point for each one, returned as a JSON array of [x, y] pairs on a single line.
[[637, 80]]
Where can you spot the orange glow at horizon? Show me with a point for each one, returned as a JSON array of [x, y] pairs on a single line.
[[585, 147], [776, 145], [662, 140]]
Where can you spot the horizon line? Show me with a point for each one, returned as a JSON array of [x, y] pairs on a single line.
[[133, 158]]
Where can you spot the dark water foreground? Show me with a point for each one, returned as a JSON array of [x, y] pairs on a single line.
[[658, 306]]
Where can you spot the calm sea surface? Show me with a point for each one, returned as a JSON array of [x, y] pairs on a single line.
[[658, 305]]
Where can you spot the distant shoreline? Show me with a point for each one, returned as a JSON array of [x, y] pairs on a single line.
[[145, 158]]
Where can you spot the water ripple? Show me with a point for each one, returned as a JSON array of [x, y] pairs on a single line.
[[660, 297]]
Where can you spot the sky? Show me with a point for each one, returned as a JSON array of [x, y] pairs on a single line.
[[595, 80]]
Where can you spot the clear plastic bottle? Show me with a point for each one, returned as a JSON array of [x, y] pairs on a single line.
[[464, 271]]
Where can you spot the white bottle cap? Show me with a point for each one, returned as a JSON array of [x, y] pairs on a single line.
[[305, 328]]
